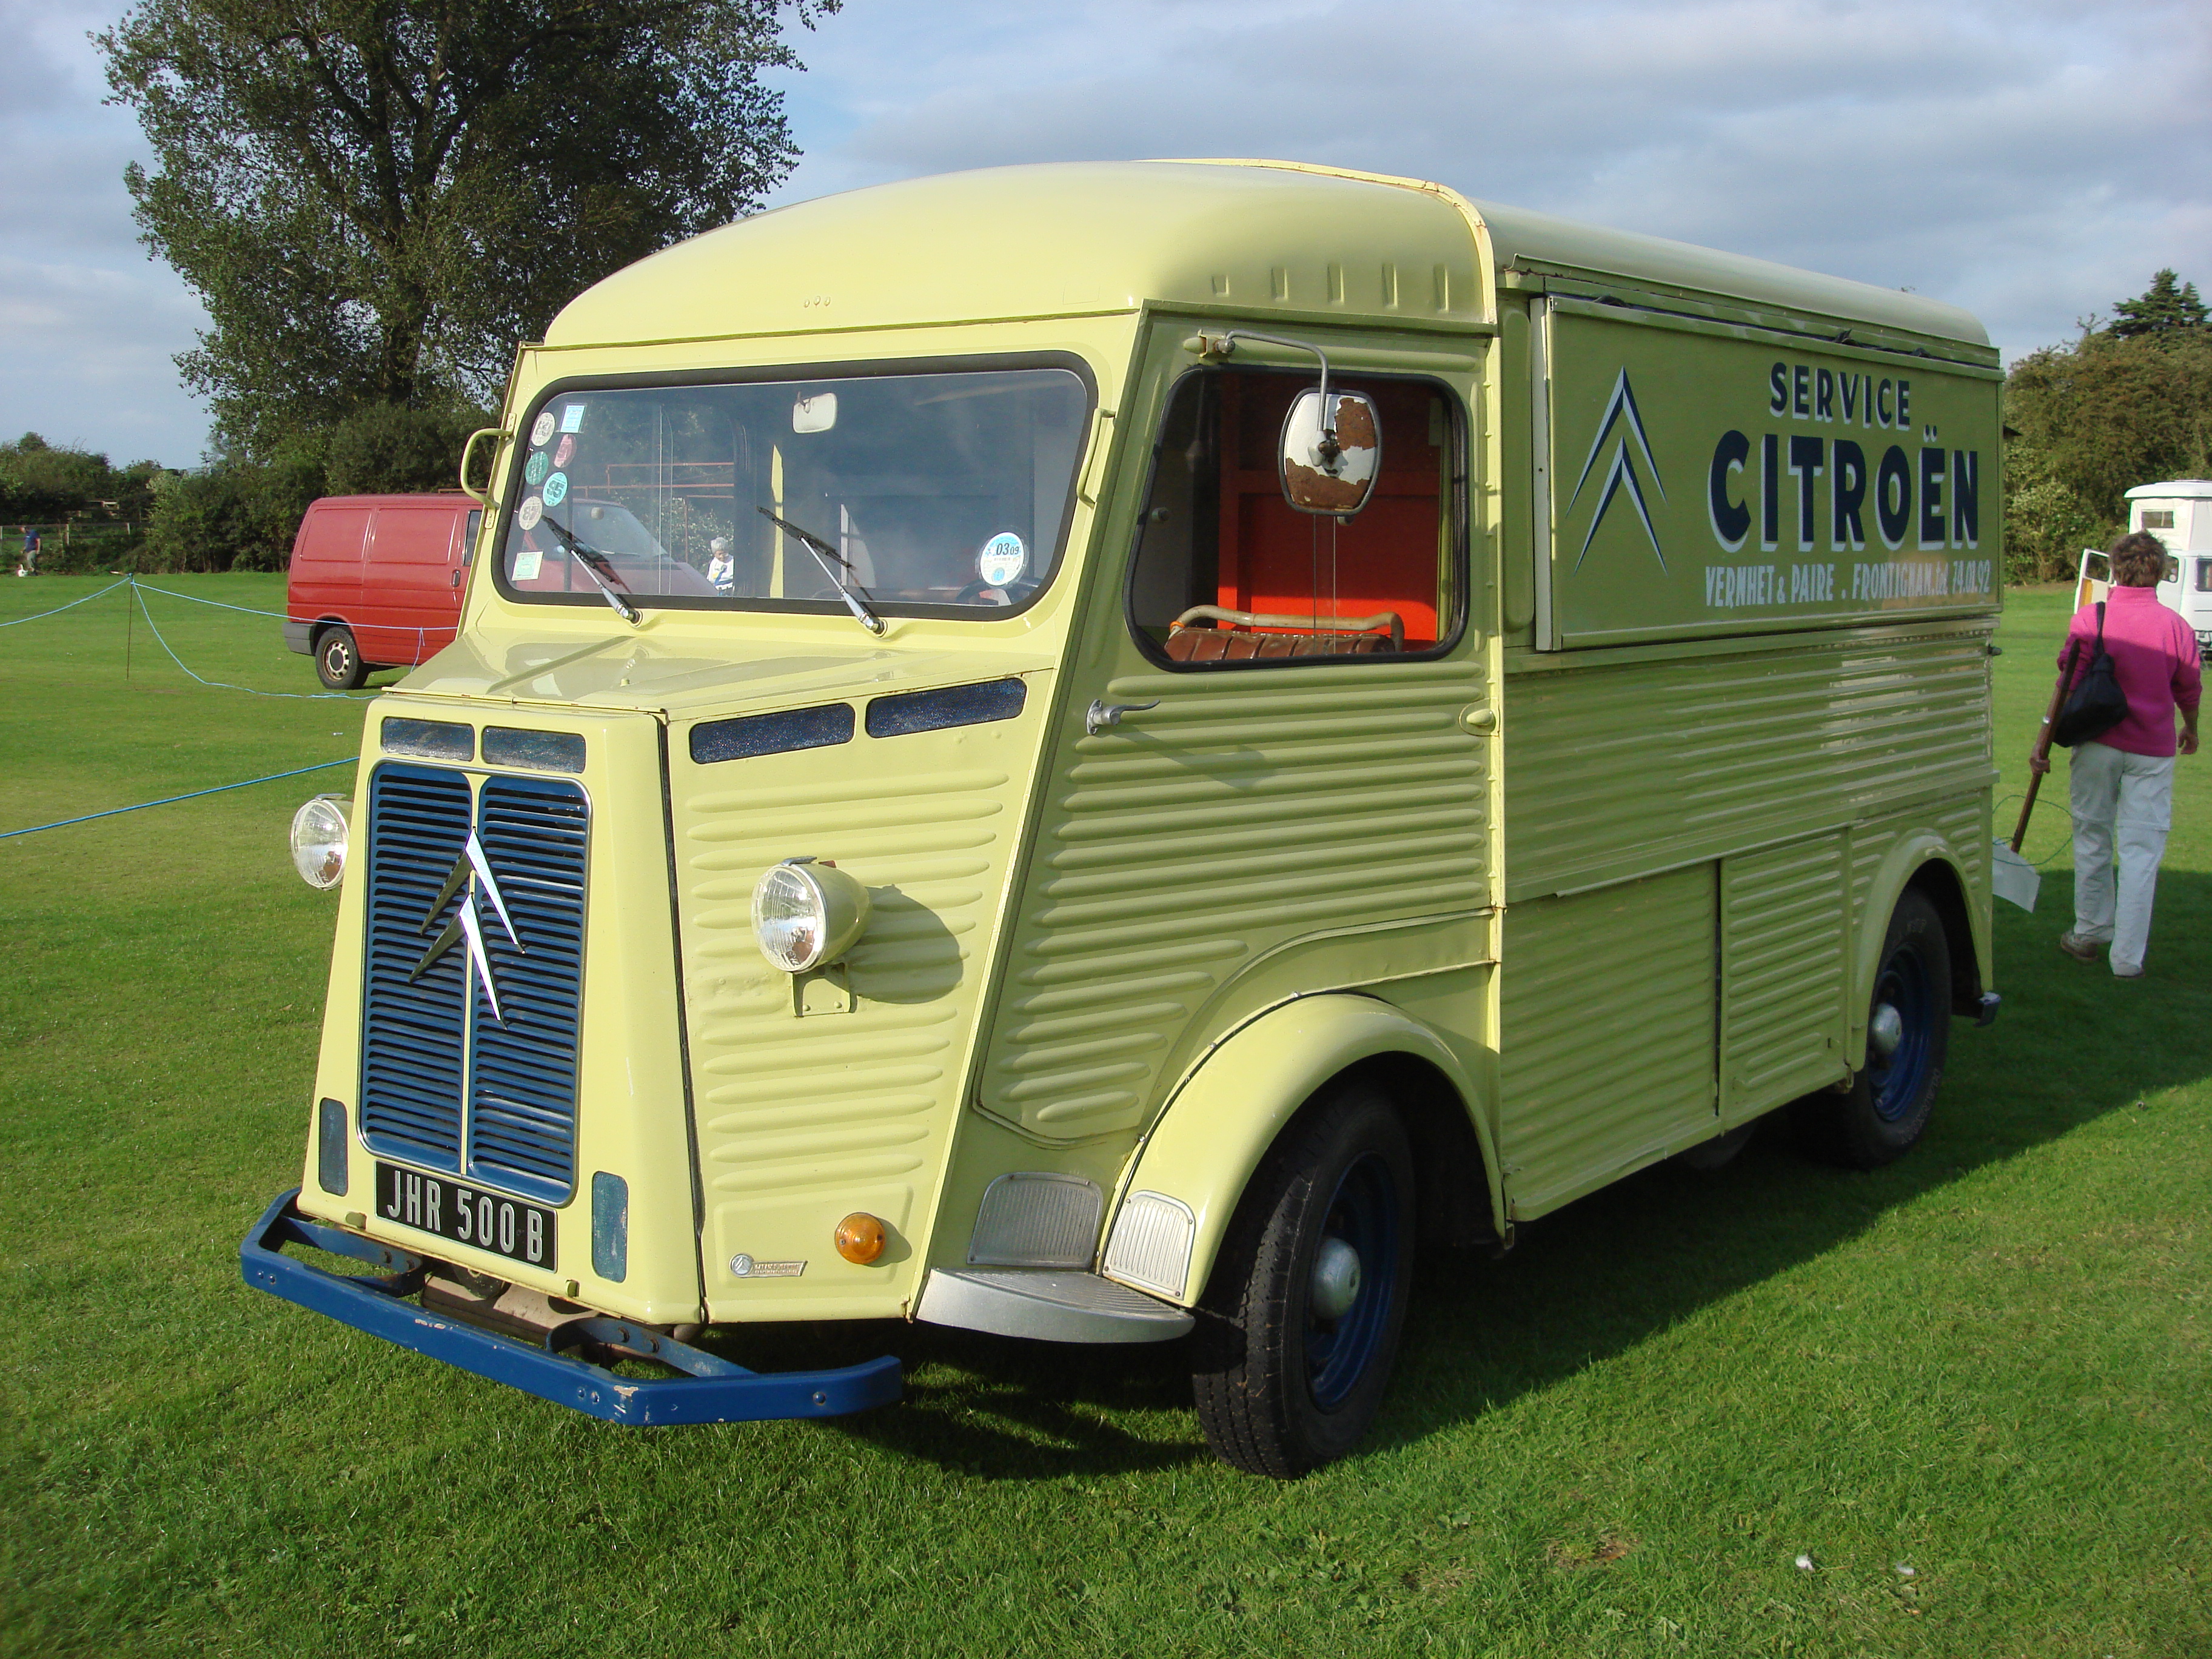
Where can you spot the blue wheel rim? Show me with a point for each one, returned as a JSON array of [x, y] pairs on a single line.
[[1364, 1213], [1898, 1079]]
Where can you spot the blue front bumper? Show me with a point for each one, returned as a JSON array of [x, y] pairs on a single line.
[[713, 1390]]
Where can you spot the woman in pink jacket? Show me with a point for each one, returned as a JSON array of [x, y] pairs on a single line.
[[2121, 783]]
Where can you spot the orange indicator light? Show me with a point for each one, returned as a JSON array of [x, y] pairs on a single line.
[[861, 1237]]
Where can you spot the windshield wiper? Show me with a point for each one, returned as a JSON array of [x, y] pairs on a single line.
[[592, 559], [823, 555]]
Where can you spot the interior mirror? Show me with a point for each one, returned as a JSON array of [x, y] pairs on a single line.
[[1332, 450], [814, 413]]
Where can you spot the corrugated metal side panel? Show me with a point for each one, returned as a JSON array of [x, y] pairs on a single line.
[[1782, 974], [1245, 811], [790, 1107], [1614, 766], [1606, 1031]]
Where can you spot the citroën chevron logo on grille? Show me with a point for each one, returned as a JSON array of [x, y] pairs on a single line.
[[465, 923], [1623, 469]]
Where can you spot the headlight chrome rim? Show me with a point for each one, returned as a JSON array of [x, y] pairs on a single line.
[[807, 913], [322, 831]]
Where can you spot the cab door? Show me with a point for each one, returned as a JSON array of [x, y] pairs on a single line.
[[1271, 772]]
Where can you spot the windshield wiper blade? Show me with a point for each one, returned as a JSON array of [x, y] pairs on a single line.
[[591, 559], [824, 555]]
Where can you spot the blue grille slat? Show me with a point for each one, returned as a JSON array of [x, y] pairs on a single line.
[[427, 1046], [523, 1090], [412, 1033]]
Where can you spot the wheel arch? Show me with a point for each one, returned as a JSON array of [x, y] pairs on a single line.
[[1201, 1153], [1924, 860]]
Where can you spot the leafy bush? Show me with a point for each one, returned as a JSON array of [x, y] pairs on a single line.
[[243, 515], [2128, 404]]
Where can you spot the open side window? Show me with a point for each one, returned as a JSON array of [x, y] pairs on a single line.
[[1227, 572]]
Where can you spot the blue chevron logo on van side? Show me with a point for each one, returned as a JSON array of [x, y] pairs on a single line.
[[1622, 471]]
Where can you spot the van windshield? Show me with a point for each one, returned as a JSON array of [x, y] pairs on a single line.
[[927, 494]]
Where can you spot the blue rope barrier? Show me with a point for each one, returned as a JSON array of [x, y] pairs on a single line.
[[139, 594], [171, 800], [171, 594], [41, 615]]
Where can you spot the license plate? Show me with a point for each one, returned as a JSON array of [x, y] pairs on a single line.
[[504, 1226]]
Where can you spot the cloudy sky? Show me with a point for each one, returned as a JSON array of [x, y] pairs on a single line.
[[2032, 161]]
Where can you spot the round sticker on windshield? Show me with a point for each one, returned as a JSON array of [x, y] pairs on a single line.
[[542, 431], [535, 469], [529, 512], [564, 451], [1003, 559], [556, 490]]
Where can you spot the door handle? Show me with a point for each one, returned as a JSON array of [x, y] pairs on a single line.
[[1102, 713]]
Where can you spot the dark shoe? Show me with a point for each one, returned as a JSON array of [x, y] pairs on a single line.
[[2081, 950]]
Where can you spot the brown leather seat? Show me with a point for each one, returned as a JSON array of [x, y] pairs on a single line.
[[1240, 645]]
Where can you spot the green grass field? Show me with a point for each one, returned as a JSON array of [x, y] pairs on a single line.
[[1988, 1364]]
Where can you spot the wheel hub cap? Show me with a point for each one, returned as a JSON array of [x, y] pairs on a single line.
[[1885, 1030], [1335, 1278]]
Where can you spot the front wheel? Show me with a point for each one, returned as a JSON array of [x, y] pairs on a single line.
[[338, 661], [1885, 1111], [1301, 1321]]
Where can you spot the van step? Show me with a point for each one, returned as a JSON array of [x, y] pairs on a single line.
[[1047, 1305]]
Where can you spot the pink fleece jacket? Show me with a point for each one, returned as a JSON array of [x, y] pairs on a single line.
[[2154, 654]]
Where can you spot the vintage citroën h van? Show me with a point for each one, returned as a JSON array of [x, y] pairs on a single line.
[[1100, 753]]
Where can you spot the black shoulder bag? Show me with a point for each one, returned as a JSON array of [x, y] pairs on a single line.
[[2096, 704]]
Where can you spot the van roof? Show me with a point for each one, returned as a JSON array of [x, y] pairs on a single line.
[[2177, 489], [1092, 238], [433, 498]]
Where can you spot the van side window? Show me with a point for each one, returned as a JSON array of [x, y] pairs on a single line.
[[1227, 571]]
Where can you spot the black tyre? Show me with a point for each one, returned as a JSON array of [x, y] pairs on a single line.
[[338, 661], [1885, 1112], [1300, 1323]]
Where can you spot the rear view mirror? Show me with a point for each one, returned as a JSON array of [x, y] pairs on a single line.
[[1332, 451], [814, 413]]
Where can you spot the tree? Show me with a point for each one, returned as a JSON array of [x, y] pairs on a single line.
[[377, 199], [2123, 405], [2161, 309]]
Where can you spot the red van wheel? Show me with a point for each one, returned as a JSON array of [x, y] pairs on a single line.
[[337, 659]]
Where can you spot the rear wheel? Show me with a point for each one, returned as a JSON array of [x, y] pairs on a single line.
[[338, 661], [1885, 1111], [1301, 1321]]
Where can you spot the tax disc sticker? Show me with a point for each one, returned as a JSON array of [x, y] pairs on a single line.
[[543, 430], [527, 564], [529, 512], [1003, 559], [535, 469], [572, 418], [564, 450], [556, 490]]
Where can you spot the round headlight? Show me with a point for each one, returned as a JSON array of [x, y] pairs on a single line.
[[805, 914], [319, 841]]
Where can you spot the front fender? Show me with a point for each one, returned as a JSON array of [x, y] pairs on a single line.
[[1192, 1169]]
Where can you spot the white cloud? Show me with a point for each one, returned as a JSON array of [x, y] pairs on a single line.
[[2031, 160], [89, 325]]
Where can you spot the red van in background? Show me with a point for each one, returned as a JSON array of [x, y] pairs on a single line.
[[376, 581]]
